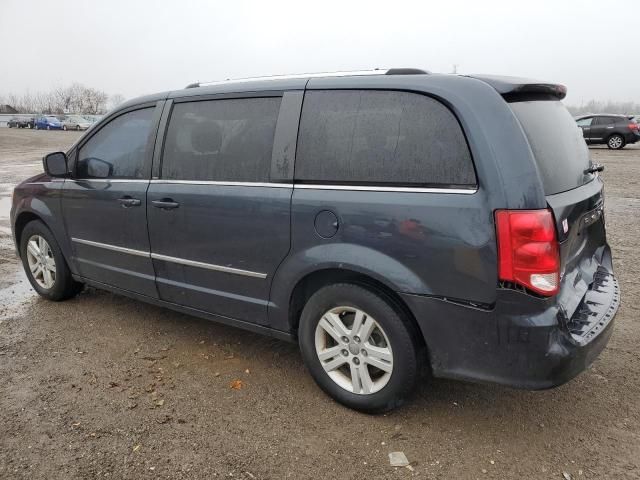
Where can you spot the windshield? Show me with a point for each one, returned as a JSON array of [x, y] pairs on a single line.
[[557, 143], [53, 119]]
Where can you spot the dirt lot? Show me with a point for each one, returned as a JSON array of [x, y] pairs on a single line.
[[103, 386]]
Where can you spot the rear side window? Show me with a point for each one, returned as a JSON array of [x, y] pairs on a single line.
[[557, 143], [221, 140], [119, 149], [380, 137]]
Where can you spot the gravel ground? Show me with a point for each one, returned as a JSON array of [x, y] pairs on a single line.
[[103, 386]]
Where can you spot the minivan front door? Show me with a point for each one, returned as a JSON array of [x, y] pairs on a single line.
[[218, 226], [104, 204]]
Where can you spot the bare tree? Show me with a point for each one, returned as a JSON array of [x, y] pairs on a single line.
[[74, 98]]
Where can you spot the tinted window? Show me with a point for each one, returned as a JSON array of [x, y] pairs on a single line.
[[379, 137], [221, 140], [118, 150], [604, 120], [558, 145]]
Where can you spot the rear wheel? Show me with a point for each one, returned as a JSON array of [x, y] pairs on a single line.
[[615, 142], [44, 263], [359, 348]]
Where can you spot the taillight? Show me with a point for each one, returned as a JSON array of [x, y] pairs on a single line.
[[634, 127], [528, 251]]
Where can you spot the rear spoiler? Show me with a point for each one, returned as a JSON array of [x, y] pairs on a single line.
[[515, 89]]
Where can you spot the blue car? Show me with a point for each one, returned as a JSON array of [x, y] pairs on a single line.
[[48, 122]]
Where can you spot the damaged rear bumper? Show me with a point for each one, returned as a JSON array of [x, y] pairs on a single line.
[[523, 341]]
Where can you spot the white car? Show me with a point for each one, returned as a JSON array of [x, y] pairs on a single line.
[[75, 122]]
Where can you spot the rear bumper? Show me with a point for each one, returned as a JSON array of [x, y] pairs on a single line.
[[523, 342]]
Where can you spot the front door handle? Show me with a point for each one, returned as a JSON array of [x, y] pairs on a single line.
[[165, 204], [127, 202]]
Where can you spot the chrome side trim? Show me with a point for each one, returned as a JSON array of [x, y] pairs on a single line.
[[373, 188], [109, 180], [166, 258], [115, 248], [224, 184], [208, 266]]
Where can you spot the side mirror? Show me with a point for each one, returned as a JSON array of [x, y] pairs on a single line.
[[55, 164]]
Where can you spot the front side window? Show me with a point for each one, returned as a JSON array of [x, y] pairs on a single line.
[[221, 140], [119, 149], [380, 137]]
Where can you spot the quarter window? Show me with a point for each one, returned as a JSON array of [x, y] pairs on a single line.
[[380, 137], [584, 122], [119, 149], [221, 140]]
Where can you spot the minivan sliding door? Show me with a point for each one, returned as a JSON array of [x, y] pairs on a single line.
[[218, 222]]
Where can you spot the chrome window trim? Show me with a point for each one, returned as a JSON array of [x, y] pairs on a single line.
[[115, 248], [373, 188], [309, 186], [208, 266], [222, 183]]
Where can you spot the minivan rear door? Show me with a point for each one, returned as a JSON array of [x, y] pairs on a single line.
[[219, 218], [573, 192]]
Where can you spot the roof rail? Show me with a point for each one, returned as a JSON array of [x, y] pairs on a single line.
[[377, 71]]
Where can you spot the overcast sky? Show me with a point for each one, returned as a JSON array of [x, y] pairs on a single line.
[[135, 47]]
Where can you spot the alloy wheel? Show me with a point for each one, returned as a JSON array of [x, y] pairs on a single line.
[[354, 350], [615, 141], [42, 264]]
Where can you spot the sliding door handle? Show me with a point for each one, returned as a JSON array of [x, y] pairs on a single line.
[[165, 204]]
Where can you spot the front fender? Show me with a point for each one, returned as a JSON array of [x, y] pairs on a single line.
[[42, 199], [348, 257]]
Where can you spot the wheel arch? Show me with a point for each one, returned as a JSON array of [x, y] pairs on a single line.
[[26, 216], [617, 134], [314, 281]]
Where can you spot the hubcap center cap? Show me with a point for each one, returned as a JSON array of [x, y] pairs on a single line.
[[354, 348]]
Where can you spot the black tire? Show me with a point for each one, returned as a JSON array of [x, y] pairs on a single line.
[[64, 127], [615, 142], [399, 331], [77, 128], [64, 286]]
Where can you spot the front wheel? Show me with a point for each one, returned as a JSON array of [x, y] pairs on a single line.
[[44, 263], [359, 348], [615, 142]]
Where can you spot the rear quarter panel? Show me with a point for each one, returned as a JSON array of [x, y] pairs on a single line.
[[435, 244]]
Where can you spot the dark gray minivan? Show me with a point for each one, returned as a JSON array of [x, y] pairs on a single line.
[[392, 222]]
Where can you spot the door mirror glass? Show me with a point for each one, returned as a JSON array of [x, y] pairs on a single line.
[[55, 164], [98, 168]]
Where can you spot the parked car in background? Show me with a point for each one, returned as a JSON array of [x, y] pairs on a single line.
[[48, 122], [75, 122], [21, 122], [390, 223], [615, 131]]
